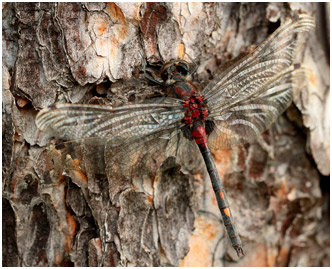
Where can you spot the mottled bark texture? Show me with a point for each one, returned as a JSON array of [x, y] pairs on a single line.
[[64, 209]]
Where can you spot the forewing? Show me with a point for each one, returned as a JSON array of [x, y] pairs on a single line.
[[243, 122], [130, 133], [244, 78], [107, 124], [249, 95]]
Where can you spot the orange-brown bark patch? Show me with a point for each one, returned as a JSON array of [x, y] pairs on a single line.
[[313, 80], [71, 231], [200, 253], [21, 102], [122, 32], [149, 198], [181, 50], [102, 26], [81, 176], [114, 48], [116, 13]]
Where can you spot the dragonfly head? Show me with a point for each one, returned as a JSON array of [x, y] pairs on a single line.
[[174, 70]]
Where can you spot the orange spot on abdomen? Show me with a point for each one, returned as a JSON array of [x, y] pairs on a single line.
[[227, 212]]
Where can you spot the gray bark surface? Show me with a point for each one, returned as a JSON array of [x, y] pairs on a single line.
[[73, 209]]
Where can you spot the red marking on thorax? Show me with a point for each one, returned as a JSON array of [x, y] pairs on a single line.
[[192, 89], [180, 92], [195, 108], [195, 113], [184, 93]]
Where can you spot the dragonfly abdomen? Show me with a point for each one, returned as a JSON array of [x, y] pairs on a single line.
[[199, 134]]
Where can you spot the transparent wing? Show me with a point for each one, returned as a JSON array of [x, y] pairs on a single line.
[[244, 78], [145, 155], [104, 123], [249, 95], [243, 122], [135, 136]]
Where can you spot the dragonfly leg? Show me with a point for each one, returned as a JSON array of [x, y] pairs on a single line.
[[195, 65], [147, 76], [150, 78]]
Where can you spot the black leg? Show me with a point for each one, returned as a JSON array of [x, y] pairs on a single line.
[[150, 78], [195, 65], [147, 76]]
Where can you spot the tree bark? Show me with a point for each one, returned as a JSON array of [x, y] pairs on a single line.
[[70, 210]]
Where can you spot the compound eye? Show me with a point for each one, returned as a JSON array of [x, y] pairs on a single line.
[[182, 68], [167, 70]]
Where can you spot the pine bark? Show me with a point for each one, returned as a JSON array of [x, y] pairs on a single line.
[[61, 210]]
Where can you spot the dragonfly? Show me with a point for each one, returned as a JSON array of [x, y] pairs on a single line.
[[240, 103]]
